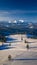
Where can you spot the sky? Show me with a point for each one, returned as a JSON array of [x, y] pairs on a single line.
[[11, 10]]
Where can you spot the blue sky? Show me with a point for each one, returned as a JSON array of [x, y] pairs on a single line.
[[18, 9]]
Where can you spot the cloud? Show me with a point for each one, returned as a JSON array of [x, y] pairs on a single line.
[[11, 12], [13, 15], [23, 11]]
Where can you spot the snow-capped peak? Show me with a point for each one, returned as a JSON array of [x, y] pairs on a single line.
[[21, 21]]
